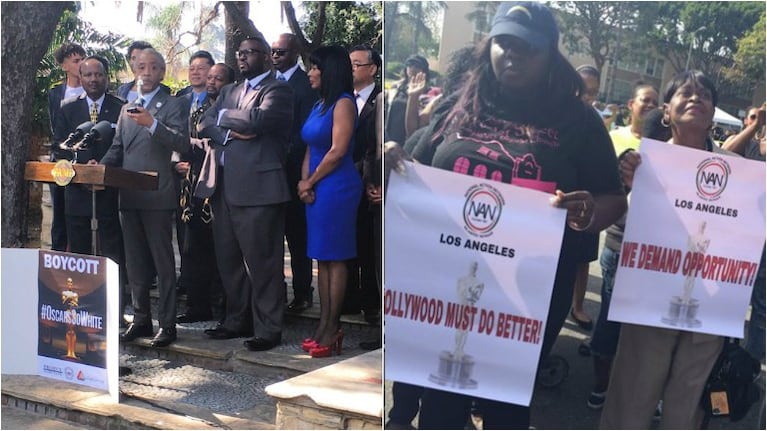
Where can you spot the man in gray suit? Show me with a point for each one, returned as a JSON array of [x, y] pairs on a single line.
[[147, 133], [250, 124]]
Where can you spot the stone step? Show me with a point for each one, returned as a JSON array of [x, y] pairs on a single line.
[[345, 395], [196, 348], [96, 410]]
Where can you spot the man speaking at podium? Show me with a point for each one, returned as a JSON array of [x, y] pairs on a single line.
[[147, 133]]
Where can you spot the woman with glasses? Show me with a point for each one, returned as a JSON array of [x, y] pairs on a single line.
[[331, 188], [657, 363], [519, 119]]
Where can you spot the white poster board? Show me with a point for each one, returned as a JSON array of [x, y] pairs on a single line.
[[694, 236], [470, 268], [60, 317]]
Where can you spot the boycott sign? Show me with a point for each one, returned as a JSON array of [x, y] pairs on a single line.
[[470, 267], [72, 329], [693, 240]]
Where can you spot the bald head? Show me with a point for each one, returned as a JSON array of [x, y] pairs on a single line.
[[285, 52]]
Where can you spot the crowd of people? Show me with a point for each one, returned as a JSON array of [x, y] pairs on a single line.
[[518, 77], [293, 155], [284, 155]]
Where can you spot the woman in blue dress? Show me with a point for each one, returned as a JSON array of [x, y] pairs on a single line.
[[331, 189]]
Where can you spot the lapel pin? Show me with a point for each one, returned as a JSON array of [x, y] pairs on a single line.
[[158, 105]]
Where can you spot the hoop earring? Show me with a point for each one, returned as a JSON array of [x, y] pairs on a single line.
[[664, 122]]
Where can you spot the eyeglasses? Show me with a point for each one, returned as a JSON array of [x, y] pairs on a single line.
[[279, 52], [752, 116], [356, 65], [246, 52]]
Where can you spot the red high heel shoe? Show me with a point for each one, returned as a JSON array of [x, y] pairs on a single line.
[[321, 351], [308, 344]]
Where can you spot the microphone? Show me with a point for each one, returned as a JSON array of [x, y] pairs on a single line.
[[78, 134], [102, 130]]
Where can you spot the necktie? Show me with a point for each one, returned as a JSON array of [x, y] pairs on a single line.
[[94, 112], [140, 102], [244, 93], [195, 105], [281, 77]]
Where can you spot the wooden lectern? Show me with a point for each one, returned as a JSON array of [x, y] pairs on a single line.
[[98, 177]]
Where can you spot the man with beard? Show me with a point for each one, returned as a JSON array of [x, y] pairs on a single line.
[[250, 124]]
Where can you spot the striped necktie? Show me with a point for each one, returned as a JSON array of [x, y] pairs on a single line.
[[94, 112], [195, 104]]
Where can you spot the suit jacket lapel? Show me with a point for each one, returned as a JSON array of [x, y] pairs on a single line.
[[157, 102], [370, 105], [248, 99]]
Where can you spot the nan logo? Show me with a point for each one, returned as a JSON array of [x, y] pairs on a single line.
[[711, 179], [482, 209]]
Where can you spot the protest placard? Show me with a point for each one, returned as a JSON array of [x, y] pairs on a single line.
[[77, 322], [470, 267], [693, 239]]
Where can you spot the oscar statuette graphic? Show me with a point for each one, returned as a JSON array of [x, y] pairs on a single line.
[[455, 367], [70, 298], [682, 310]]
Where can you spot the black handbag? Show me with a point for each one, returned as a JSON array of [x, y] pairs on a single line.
[[731, 388]]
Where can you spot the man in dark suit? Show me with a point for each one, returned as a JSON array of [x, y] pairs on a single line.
[[195, 96], [285, 53], [147, 133], [362, 291], [199, 269], [96, 105], [68, 56], [251, 124], [128, 91], [199, 65]]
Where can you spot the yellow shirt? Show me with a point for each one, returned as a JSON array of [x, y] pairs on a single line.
[[623, 140]]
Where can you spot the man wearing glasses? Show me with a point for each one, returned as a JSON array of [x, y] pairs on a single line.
[[250, 125], [285, 53], [362, 287]]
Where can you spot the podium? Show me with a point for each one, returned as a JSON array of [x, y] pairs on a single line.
[[97, 177]]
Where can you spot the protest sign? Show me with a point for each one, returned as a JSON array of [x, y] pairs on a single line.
[[73, 323], [470, 267], [693, 240]]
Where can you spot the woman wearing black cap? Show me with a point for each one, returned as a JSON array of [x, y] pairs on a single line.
[[415, 66], [519, 119]]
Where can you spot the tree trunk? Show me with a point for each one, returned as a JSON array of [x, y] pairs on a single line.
[[238, 27], [27, 32]]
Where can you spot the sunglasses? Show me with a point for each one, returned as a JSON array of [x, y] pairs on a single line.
[[279, 52], [752, 116]]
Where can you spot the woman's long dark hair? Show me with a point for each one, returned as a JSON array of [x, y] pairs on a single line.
[[336, 73], [481, 90]]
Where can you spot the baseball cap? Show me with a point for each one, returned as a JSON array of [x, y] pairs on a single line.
[[417, 61], [529, 21]]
